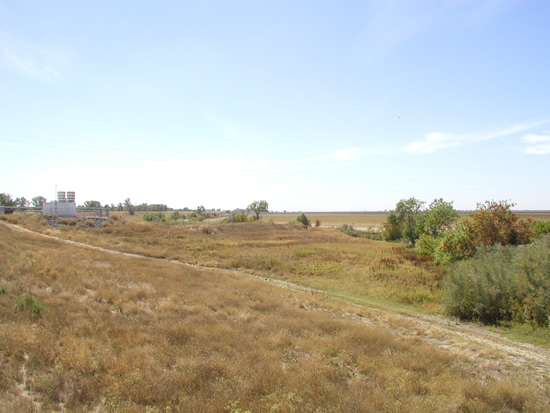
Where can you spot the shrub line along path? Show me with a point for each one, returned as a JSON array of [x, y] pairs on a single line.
[[497, 356]]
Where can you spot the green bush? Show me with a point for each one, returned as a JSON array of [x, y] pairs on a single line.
[[456, 245], [541, 227], [238, 217], [304, 220], [154, 216], [176, 215], [193, 216], [501, 284], [427, 245], [30, 303]]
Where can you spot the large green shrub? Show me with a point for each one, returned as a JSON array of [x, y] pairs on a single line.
[[501, 283]]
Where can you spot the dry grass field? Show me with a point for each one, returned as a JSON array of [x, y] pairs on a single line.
[[361, 270], [85, 330]]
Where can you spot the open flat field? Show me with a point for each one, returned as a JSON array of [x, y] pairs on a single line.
[[333, 219], [368, 219], [89, 330]]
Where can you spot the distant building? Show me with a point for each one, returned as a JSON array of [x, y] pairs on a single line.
[[65, 206]]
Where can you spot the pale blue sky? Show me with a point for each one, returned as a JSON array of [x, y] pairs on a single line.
[[311, 105]]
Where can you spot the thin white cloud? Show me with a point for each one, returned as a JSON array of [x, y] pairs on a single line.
[[31, 60], [440, 140], [347, 154], [532, 138], [538, 144]]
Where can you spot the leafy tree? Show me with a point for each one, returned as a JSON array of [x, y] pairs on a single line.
[[495, 223], [304, 220], [439, 217], [392, 228], [92, 204], [38, 201], [129, 206], [6, 200], [201, 210], [21, 202], [410, 212], [492, 223], [258, 207]]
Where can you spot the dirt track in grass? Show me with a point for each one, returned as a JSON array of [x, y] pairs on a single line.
[[498, 357]]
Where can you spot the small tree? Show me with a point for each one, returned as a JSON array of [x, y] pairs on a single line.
[[410, 211], [92, 204], [495, 223], [304, 220], [22, 202], [6, 200], [258, 207], [128, 204], [492, 223], [439, 217], [38, 201], [392, 228]]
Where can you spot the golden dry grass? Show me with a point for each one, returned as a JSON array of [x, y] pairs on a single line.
[[322, 258], [131, 334]]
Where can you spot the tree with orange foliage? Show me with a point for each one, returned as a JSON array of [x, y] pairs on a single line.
[[492, 223]]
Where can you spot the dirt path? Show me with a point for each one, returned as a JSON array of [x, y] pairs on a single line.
[[497, 357]]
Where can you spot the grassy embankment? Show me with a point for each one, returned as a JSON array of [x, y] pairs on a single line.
[[101, 332]]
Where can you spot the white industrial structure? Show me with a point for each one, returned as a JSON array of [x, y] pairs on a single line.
[[65, 206]]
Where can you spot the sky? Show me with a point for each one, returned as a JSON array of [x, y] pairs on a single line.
[[309, 105]]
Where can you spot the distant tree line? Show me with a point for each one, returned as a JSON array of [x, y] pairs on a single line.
[[7, 200]]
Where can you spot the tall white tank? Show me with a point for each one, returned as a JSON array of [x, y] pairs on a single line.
[[71, 196], [61, 196]]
